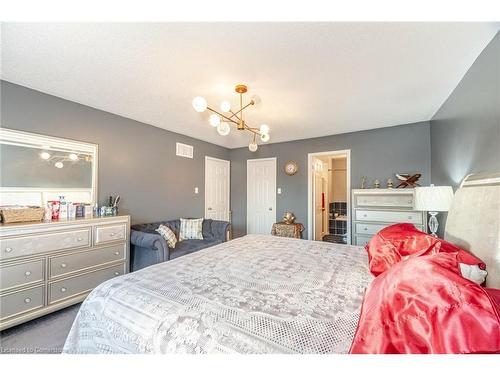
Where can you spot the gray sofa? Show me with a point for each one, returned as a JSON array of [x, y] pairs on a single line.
[[148, 247]]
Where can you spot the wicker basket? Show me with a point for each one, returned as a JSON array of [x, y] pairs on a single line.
[[14, 214]]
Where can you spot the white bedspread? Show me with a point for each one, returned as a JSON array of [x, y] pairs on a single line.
[[255, 294]]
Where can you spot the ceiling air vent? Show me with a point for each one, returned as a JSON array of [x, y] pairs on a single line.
[[186, 151]]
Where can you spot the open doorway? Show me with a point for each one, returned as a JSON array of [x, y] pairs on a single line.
[[329, 196]]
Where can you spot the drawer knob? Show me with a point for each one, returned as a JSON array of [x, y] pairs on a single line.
[[79, 239], [63, 289], [117, 253], [410, 217], [410, 201], [364, 215], [8, 249], [366, 228], [27, 273], [63, 265], [112, 234], [27, 300], [117, 273]]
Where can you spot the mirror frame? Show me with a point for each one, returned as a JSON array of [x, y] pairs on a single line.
[[26, 139]]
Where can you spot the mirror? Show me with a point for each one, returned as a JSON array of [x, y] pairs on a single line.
[[36, 165]]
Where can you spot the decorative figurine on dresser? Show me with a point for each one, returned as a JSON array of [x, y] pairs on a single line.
[[288, 227], [57, 258], [374, 209]]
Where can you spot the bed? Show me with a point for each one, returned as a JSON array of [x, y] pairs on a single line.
[[255, 294], [261, 294]]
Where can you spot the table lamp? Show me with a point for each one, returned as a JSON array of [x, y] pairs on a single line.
[[433, 199]]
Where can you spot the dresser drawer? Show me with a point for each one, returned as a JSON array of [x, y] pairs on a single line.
[[21, 274], [361, 240], [362, 228], [34, 244], [20, 302], [413, 217], [66, 264], [370, 229], [383, 200], [110, 233], [74, 286]]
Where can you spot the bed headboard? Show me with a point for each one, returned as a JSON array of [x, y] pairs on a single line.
[[474, 221]]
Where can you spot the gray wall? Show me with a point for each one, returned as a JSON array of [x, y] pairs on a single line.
[[136, 160], [377, 154], [465, 132]]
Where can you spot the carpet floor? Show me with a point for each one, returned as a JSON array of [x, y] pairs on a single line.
[[45, 335]]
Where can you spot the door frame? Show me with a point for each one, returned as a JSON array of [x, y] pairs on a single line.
[[228, 183], [275, 159], [310, 192]]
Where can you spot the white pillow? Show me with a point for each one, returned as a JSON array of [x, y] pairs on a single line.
[[191, 229], [168, 235], [473, 273]]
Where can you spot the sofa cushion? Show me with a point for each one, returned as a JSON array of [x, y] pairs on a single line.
[[191, 246], [191, 229], [168, 234]]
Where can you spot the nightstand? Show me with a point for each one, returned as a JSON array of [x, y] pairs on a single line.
[[282, 229]]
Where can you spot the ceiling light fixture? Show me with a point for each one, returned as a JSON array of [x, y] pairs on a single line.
[[221, 121]]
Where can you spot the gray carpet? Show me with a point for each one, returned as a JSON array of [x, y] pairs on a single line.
[[43, 335]]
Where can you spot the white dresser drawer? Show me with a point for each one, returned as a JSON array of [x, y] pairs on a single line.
[[384, 200], [40, 243], [21, 274], [74, 286], [366, 228], [110, 233], [66, 264], [413, 217], [20, 302], [361, 240], [371, 229]]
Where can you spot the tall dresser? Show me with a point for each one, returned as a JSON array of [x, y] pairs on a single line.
[[374, 209], [47, 266]]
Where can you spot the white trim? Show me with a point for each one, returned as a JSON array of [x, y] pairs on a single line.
[[228, 187], [275, 159], [33, 140], [310, 192]]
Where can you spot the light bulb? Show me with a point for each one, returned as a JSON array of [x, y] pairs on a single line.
[[199, 104], [264, 129], [223, 128], [253, 146], [214, 120], [73, 157], [225, 106], [45, 155], [59, 165], [265, 137]]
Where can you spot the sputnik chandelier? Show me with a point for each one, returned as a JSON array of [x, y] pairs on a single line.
[[226, 116]]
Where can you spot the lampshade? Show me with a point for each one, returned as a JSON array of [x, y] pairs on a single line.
[[433, 198]]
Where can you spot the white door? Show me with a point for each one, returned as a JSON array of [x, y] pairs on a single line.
[[217, 189], [261, 195], [320, 200]]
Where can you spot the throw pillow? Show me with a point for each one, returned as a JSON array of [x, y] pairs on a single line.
[[168, 235], [191, 229]]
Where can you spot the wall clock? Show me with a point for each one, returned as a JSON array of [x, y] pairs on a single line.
[[291, 168]]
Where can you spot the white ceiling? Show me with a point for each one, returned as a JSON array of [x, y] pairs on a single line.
[[314, 79]]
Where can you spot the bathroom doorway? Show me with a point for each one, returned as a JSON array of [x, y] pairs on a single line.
[[329, 196]]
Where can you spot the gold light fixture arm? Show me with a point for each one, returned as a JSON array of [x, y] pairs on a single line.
[[222, 115]]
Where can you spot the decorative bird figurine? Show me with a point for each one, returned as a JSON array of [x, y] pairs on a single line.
[[408, 180]]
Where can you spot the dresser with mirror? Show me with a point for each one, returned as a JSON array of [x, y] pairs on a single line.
[[53, 263]]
